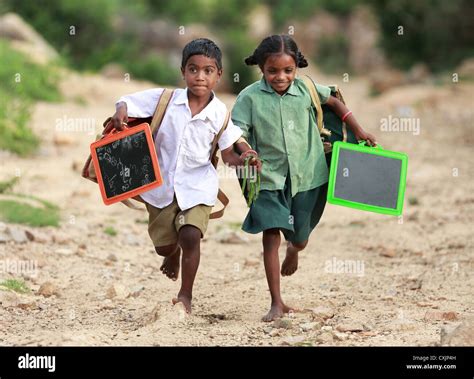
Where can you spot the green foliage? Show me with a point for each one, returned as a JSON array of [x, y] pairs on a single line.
[[110, 230], [15, 285], [155, 68], [333, 53], [21, 212], [436, 32], [22, 83], [22, 78], [236, 49], [285, 10], [7, 185]]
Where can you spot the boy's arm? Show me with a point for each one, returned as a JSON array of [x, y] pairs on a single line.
[[120, 118], [341, 110]]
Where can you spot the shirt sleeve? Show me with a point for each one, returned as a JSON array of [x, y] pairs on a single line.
[[229, 136], [142, 104], [242, 115], [324, 92]]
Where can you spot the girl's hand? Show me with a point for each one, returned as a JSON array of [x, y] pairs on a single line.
[[369, 138], [254, 161]]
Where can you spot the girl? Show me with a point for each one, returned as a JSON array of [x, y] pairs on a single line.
[[276, 117], [179, 209]]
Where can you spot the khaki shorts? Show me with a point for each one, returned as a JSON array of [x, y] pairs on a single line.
[[164, 223]]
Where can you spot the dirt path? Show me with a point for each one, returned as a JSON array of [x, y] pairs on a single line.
[[409, 274]]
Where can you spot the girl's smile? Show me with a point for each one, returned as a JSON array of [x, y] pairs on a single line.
[[279, 71]]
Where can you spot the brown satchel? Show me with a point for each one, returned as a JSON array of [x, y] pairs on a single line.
[[88, 171]]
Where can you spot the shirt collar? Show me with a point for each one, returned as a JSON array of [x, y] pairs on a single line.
[[210, 111], [265, 86]]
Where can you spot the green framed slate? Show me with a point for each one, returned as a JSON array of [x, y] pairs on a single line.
[[367, 178]]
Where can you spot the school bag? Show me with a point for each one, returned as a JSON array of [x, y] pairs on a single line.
[[88, 170], [330, 126]]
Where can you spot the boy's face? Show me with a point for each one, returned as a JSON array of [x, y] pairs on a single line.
[[279, 71], [201, 75]]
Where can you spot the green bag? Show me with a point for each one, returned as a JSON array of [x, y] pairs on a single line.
[[330, 126]]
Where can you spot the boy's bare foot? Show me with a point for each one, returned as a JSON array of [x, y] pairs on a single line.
[[290, 264], [276, 311], [185, 301], [170, 266]]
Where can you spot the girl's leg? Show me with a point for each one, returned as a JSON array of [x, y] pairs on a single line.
[[189, 238], [290, 264], [271, 243]]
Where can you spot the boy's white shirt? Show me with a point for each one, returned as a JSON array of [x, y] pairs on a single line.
[[183, 145]]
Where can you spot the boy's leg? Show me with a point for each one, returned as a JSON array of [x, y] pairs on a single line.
[[163, 233], [189, 238], [171, 254], [271, 243]]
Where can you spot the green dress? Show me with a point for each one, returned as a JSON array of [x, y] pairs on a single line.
[[283, 130]]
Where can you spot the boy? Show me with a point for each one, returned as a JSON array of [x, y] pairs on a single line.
[[179, 209]]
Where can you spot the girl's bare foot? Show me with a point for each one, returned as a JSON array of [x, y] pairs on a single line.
[[170, 266], [290, 264], [276, 311], [185, 300]]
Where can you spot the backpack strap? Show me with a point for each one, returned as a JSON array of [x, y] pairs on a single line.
[[160, 110], [221, 196], [315, 100], [214, 158]]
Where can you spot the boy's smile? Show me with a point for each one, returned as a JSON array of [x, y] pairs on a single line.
[[201, 75], [279, 71]]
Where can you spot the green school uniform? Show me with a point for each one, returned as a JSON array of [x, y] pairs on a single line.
[[283, 130]]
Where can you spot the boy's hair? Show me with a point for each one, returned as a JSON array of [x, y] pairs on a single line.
[[276, 44], [202, 46]]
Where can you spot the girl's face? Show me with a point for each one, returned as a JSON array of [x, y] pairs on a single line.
[[279, 71], [201, 75]]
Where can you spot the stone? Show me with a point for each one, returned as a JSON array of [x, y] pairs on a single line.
[[350, 327], [293, 340], [459, 335], [48, 289], [17, 235], [440, 316], [323, 312], [308, 326], [283, 323], [325, 338]]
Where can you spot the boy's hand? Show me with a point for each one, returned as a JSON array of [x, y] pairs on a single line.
[[120, 118], [254, 161], [363, 135]]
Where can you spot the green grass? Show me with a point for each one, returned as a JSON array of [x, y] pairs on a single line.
[[22, 83], [110, 231], [20, 212], [15, 285], [8, 184]]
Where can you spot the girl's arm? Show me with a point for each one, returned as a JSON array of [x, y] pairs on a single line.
[[230, 157], [341, 110]]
